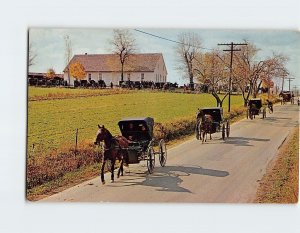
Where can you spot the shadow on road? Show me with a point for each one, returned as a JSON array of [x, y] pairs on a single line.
[[243, 141], [169, 178]]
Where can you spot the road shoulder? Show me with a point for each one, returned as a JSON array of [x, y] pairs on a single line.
[[280, 184]]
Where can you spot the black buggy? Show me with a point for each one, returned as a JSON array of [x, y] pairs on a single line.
[[219, 124], [286, 96], [255, 107], [139, 132]]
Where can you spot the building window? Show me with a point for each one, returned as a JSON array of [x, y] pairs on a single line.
[[90, 77], [100, 77], [160, 80], [142, 76]]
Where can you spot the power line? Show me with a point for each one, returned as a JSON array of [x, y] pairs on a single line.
[[170, 40]]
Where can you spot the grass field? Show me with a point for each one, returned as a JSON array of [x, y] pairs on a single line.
[[52, 122]]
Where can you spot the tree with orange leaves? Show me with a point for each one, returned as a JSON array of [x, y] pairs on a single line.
[[50, 73], [77, 71]]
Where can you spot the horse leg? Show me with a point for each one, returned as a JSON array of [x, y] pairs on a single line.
[[199, 130], [121, 168], [112, 170], [102, 171]]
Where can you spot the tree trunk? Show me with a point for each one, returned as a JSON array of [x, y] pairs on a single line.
[[122, 72], [219, 102], [191, 80]]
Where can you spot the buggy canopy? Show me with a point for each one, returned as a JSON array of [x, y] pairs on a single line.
[[257, 102], [137, 128], [215, 112]]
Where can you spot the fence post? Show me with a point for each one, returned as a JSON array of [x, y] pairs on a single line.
[[32, 153], [76, 140]]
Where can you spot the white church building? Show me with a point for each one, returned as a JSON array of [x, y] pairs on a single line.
[[107, 67]]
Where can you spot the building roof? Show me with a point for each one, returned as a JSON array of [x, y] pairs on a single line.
[[144, 62], [39, 74]]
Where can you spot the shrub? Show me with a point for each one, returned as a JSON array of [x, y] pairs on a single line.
[[171, 130], [46, 167]]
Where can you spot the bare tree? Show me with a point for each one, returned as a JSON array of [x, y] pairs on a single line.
[[249, 73], [188, 48], [245, 69], [68, 54], [211, 71], [123, 44], [31, 54]]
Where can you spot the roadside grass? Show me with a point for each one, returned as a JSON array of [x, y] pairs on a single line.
[[280, 184], [68, 180]]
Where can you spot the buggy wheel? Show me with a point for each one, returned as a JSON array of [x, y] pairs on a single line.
[[223, 131], [250, 115], [227, 128], [150, 159], [162, 153], [198, 130]]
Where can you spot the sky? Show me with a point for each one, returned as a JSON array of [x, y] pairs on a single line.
[[49, 46]]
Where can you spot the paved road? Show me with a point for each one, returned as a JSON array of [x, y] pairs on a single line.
[[221, 172]]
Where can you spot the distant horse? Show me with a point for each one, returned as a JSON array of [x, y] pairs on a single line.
[[114, 148], [206, 126]]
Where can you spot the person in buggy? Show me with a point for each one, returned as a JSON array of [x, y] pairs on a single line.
[[270, 105]]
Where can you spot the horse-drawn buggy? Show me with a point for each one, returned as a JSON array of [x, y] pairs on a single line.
[[286, 96], [136, 144], [139, 132], [209, 121], [255, 107]]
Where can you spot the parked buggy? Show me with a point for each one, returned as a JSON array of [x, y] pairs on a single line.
[[139, 132], [219, 123], [255, 107]]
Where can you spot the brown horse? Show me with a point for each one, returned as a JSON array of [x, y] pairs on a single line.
[[114, 148], [206, 126]]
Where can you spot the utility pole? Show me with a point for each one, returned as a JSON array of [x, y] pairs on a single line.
[[283, 77], [296, 90], [290, 79], [231, 50]]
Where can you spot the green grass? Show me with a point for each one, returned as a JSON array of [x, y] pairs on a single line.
[[53, 122]]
